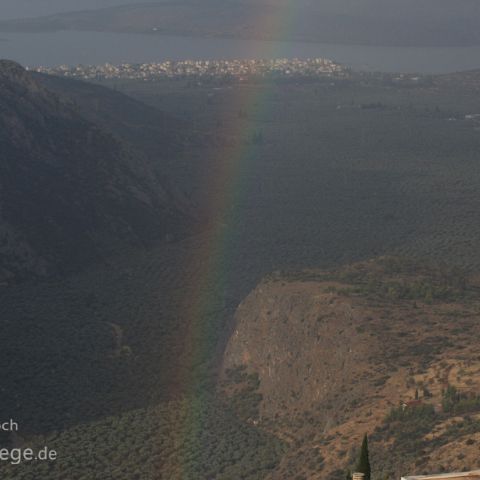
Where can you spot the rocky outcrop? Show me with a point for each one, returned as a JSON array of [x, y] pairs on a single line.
[[335, 352], [304, 344]]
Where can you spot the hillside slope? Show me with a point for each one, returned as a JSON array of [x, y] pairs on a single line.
[[153, 132], [70, 192], [337, 352]]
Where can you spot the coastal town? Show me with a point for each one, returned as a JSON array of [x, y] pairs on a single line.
[[205, 69]]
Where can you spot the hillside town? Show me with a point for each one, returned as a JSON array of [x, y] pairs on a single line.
[[235, 69]]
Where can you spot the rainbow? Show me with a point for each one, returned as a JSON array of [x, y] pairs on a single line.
[[226, 184]]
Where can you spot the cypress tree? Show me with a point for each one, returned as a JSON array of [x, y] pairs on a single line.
[[363, 465]]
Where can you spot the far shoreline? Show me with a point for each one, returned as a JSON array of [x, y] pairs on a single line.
[[47, 29], [99, 47]]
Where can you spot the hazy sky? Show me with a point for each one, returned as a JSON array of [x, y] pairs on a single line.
[[32, 8]]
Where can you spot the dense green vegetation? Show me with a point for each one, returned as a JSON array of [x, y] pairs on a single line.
[[363, 464], [411, 414], [322, 198], [395, 278], [242, 392], [409, 427], [450, 287], [458, 403], [190, 439]]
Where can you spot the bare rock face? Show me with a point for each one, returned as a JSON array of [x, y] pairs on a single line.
[[369, 348], [70, 192], [303, 343]]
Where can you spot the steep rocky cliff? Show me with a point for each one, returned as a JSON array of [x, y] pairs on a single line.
[[304, 344], [70, 192], [336, 353]]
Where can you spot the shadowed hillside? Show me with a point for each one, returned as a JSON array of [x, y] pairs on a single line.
[[153, 132], [71, 192]]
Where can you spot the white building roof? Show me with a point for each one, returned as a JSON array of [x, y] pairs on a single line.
[[473, 475]]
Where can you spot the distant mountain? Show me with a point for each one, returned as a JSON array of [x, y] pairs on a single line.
[[71, 192], [27, 8], [370, 22]]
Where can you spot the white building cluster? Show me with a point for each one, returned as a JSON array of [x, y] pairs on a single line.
[[239, 69]]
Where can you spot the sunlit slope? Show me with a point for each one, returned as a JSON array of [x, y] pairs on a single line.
[[336, 353]]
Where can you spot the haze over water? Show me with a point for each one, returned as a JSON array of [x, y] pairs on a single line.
[[68, 47], [35, 8]]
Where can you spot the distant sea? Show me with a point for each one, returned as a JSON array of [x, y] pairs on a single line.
[[72, 48], [10, 9]]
